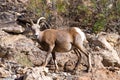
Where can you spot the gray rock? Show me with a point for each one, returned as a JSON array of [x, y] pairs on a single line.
[[37, 73]]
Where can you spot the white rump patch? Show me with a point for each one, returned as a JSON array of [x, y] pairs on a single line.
[[83, 37]]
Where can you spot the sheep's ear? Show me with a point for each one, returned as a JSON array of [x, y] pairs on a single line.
[[38, 26], [31, 21], [28, 25]]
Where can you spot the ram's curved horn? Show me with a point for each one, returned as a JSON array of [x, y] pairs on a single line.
[[41, 18], [47, 25]]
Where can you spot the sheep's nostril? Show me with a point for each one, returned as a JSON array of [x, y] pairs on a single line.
[[35, 36]]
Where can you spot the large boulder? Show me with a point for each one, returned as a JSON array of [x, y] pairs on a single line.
[[21, 49], [103, 45]]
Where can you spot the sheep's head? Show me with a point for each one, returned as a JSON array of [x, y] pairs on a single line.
[[36, 27]]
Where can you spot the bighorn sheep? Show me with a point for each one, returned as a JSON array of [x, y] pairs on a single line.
[[62, 40]]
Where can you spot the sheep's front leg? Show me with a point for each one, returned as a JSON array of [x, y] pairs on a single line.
[[46, 59], [48, 56], [55, 62]]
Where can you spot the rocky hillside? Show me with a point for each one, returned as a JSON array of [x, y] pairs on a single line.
[[20, 56]]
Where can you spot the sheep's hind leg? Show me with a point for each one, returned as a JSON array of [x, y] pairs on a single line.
[[55, 62], [82, 49], [79, 58]]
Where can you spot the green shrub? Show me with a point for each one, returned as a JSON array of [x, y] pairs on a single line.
[[97, 15], [99, 25], [61, 6], [36, 7]]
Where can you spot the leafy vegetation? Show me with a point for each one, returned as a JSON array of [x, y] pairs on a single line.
[[98, 15]]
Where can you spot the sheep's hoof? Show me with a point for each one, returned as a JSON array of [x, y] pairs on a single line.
[[74, 72], [89, 70], [56, 71], [43, 65]]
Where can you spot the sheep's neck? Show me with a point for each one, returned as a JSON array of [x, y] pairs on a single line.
[[40, 35]]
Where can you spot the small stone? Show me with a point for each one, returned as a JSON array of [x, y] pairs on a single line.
[[4, 73], [84, 78]]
